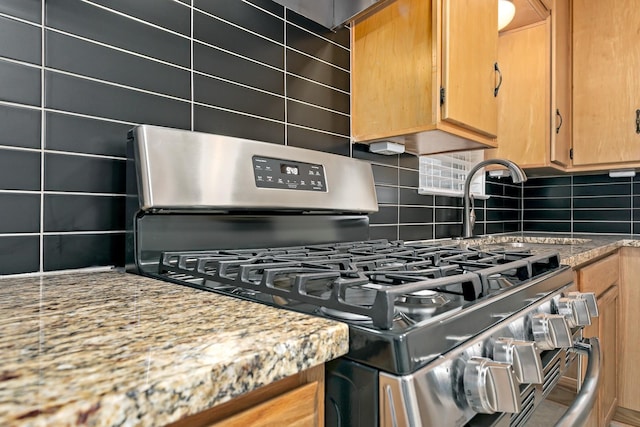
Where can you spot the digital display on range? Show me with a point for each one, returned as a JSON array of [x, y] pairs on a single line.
[[288, 175], [289, 169]]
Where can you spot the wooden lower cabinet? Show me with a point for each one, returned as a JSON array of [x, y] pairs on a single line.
[[296, 401], [629, 338], [602, 277], [605, 328]]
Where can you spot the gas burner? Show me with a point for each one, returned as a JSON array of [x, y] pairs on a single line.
[[425, 299]]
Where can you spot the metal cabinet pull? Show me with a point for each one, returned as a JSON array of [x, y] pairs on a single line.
[[497, 88], [559, 124], [637, 121]]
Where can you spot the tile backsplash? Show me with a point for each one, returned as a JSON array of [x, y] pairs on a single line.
[[78, 74], [582, 204]]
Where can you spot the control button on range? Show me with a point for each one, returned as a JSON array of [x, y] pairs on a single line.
[[259, 178]]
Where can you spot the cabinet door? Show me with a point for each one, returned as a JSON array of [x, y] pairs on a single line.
[[606, 329], [469, 52], [608, 395], [523, 106], [630, 330], [393, 74], [606, 87], [297, 408], [561, 82]]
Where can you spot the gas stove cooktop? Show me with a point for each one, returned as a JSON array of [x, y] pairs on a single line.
[[389, 292], [378, 283]]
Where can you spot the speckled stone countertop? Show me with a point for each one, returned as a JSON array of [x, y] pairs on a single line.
[[574, 249], [110, 348]]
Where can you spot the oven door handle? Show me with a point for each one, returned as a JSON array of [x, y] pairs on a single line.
[[580, 409]]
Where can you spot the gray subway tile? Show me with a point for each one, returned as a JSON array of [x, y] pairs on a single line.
[[317, 118], [212, 120], [89, 59], [64, 212], [65, 132], [385, 175], [237, 40], [311, 68], [20, 41], [164, 13], [219, 93], [319, 141], [20, 213], [313, 93], [20, 83], [19, 170], [19, 254], [415, 232], [315, 46], [92, 22], [245, 16], [237, 69], [385, 215], [74, 94], [84, 174], [30, 10], [416, 214], [20, 127], [340, 36], [71, 251]]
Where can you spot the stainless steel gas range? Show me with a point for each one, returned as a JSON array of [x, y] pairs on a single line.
[[439, 335]]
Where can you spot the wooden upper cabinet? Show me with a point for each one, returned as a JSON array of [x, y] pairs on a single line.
[[422, 74], [524, 104], [606, 83], [469, 61], [561, 66], [534, 110]]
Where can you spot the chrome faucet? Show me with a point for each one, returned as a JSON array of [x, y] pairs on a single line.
[[468, 214]]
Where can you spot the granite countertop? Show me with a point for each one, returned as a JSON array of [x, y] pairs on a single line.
[[574, 249], [111, 348]]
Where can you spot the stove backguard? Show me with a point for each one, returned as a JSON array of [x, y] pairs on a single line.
[[169, 232]]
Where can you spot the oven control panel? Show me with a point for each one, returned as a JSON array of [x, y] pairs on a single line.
[[289, 175]]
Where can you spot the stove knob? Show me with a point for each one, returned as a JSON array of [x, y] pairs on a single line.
[[550, 331], [490, 386], [575, 310], [589, 298], [523, 356]]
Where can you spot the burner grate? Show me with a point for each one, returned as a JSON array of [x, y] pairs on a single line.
[[379, 272]]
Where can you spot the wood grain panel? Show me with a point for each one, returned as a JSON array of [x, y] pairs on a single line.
[[606, 87], [600, 275], [523, 107], [630, 329], [393, 71], [626, 416], [561, 82], [469, 53], [267, 395], [608, 393], [296, 408]]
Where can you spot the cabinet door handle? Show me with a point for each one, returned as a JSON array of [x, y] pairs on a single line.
[[559, 124], [637, 121], [497, 88]]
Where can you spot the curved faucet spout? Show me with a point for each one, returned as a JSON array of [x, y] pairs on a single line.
[[468, 216]]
